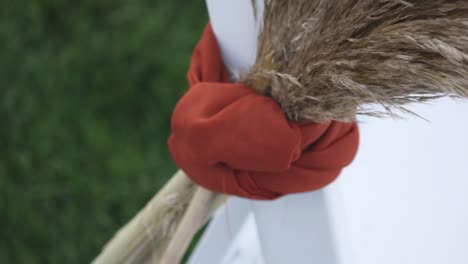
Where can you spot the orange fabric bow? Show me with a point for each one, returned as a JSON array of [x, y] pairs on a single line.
[[230, 139]]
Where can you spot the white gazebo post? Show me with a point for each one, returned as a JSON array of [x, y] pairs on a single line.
[[295, 229], [404, 200]]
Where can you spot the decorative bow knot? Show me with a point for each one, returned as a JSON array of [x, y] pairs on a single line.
[[230, 139]]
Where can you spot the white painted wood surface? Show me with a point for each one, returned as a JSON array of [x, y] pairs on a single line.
[[404, 199]]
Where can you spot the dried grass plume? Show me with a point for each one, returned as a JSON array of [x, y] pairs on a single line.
[[323, 59]]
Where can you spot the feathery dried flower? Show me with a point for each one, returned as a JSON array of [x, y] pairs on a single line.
[[323, 59]]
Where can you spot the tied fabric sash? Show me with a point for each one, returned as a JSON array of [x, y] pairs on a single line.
[[230, 139]]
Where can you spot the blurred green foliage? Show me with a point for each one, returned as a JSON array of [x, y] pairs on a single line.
[[86, 93]]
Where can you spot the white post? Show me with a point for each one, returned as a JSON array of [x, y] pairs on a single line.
[[295, 229], [220, 237]]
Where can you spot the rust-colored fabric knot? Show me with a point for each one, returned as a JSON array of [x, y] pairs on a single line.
[[230, 139]]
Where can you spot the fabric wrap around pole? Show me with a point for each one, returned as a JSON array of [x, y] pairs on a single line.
[[230, 139]]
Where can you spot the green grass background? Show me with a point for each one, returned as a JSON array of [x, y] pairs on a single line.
[[86, 93]]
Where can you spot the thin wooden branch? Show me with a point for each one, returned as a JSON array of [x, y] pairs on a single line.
[[203, 204], [147, 235]]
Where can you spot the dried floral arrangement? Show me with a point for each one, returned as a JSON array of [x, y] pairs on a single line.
[[320, 60]]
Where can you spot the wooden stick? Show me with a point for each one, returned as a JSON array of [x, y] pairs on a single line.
[[147, 235], [203, 204]]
